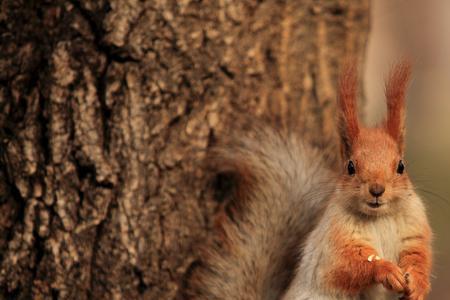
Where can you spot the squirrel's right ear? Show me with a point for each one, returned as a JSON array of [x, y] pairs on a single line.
[[347, 110]]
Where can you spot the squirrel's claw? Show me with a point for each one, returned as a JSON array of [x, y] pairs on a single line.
[[413, 292], [391, 276]]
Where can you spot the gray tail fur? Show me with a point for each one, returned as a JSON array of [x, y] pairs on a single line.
[[282, 188]]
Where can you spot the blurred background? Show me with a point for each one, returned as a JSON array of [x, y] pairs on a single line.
[[419, 30]]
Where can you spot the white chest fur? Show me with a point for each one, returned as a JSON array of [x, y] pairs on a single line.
[[384, 235]]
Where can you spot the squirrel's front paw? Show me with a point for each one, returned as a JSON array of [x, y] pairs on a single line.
[[391, 276], [418, 286]]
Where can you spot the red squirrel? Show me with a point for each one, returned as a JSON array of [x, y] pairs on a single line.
[[306, 232]]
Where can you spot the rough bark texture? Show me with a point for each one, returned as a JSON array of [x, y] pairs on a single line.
[[107, 109]]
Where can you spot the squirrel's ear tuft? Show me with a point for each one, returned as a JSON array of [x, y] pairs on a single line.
[[396, 86], [347, 110]]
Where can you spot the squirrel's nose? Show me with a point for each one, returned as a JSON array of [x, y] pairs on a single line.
[[376, 190]]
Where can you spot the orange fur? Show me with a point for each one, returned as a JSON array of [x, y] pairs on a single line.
[[416, 262], [396, 85], [375, 156], [348, 115], [352, 272]]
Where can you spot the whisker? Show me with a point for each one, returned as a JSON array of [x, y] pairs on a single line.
[[434, 194]]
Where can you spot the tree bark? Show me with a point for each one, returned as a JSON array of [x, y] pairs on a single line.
[[107, 109]]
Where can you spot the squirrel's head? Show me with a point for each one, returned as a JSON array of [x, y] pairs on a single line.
[[373, 172]]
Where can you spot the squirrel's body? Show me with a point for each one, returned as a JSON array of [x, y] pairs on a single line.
[[335, 262], [307, 233], [387, 235]]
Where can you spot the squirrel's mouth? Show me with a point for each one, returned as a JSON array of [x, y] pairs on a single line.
[[374, 204]]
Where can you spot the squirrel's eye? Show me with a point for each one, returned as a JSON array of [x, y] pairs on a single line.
[[351, 168], [400, 167]]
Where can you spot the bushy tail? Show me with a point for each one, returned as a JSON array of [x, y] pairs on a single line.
[[282, 187]]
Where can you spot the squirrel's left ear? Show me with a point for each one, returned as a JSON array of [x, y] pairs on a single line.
[[396, 86]]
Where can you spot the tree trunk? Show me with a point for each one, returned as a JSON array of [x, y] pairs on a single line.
[[107, 108]]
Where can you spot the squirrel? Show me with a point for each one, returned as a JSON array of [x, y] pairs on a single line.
[[305, 231]]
